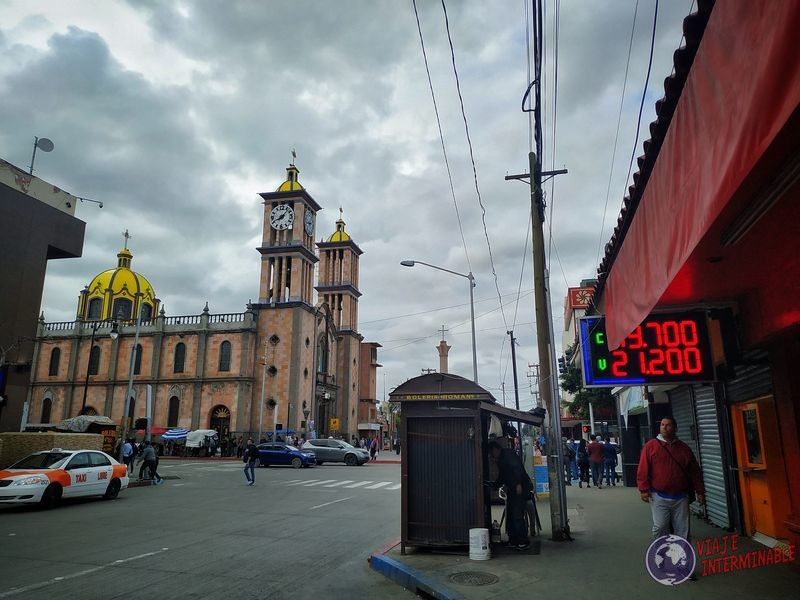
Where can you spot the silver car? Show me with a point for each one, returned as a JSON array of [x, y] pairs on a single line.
[[330, 450]]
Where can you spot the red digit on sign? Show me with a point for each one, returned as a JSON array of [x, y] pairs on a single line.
[[656, 361], [657, 328], [674, 361], [619, 360], [634, 339], [689, 333], [670, 332], [693, 361]]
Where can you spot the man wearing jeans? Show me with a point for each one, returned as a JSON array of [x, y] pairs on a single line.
[[668, 472], [250, 462]]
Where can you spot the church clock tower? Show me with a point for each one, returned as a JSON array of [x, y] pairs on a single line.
[[286, 315]]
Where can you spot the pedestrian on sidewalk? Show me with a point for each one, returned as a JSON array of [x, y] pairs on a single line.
[[569, 457], [512, 475], [127, 455], [397, 446], [610, 461], [595, 450], [373, 448], [668, 478], [251, 455], [582, 457], [150, 461], [573, 464]]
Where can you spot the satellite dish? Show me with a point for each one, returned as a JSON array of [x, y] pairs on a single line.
[[45, 144]]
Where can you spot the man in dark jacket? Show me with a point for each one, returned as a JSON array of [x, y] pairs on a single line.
[[251, 456], [150, 461], [512, 475], [668, 473]]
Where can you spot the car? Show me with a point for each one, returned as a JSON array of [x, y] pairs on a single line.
[[48, 476], [277, 453], [330, 450]]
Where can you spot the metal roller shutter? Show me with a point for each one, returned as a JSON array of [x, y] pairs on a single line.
[[682, 409], [711, 455]]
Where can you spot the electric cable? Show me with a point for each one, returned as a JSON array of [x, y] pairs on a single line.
[[441, 135]]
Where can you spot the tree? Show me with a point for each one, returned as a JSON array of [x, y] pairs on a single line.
[[572, 382]]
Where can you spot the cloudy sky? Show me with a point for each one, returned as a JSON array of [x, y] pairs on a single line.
[[175, 114]]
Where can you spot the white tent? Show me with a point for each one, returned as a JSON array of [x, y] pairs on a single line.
[[197, 438]]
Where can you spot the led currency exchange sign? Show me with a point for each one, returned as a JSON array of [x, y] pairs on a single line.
[[665, 348]]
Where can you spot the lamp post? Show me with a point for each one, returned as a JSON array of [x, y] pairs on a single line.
[[113, 335], [471, 278]]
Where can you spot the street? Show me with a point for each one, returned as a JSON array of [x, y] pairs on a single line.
[[206, 534]]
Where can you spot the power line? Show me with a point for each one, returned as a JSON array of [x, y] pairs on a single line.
[[616, 135], [441, 135], [472, 159], [644, 93]]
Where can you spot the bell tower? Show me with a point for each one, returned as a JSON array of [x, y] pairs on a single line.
[[338, 288], [285, 308]]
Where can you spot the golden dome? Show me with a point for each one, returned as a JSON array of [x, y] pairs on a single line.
[[340, 235], [116, 291], [291, 182]]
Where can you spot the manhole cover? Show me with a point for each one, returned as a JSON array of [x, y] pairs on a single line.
[[473, 578]]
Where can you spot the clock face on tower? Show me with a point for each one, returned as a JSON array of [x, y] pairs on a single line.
[[308, 221], [281, 217]]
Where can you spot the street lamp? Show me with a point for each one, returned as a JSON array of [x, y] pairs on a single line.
[[113, 335], [471, 278]]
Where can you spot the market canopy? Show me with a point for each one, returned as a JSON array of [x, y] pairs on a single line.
[[175, 434], [82, 423]]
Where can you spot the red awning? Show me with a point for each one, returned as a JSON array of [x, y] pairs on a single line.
[[743, 87], [153, 430]]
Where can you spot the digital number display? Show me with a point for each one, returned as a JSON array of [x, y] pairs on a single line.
[[665, 348]]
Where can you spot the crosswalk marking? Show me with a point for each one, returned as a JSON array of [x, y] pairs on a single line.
[[377, 485], [338, 483], [396, 486], [301, 482], [291, 481], [359, 484], [319, 482]]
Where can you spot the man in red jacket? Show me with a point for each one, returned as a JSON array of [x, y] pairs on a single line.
[[668, 472], [595, 450]]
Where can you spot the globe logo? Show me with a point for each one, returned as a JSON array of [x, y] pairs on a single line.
[[670, 560]]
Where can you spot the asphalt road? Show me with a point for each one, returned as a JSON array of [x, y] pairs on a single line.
[[302, 533]]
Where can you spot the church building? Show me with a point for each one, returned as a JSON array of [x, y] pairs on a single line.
[[290, 361]]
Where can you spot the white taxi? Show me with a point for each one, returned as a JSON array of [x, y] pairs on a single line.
[[46, 477]]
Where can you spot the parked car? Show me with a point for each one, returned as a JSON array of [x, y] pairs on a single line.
[[47, 476], [330, 450], [276, 453]]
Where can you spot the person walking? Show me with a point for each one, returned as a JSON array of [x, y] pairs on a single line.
[[569, 457], [250, 461], [668, 478], [127, 455], [582, 458], [512, 475], [149, 461], [595, 450], [397, 446], [373, 448], [610, 462]]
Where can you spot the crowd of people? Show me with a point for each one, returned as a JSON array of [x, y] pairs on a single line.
[[594, 462]]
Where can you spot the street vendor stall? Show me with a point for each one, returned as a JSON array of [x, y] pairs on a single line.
[[445, 430]]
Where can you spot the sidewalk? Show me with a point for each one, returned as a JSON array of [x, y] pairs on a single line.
[[611, 531]]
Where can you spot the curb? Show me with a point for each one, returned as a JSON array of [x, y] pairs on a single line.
[[409, 578]]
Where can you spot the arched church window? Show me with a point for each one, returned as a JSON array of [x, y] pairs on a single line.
[[147, 312], [225, 356], [95, 311], [47, 407], [322, 355], [174, 411], [180, 358], [55, 358], [123, 309], [94, 360], [137, 363]]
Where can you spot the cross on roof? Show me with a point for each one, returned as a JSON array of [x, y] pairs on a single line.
[[127, 236], [294, 156], [443, 330]]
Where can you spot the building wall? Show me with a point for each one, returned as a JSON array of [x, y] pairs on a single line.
[[31, 233]]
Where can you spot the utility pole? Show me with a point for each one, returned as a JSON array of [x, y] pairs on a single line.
[[516, 385]]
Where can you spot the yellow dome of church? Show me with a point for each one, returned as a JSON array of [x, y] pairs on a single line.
[[340, 235], [291, 183], [119, 294]]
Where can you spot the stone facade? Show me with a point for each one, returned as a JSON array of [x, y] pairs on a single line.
[[281, 360]]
